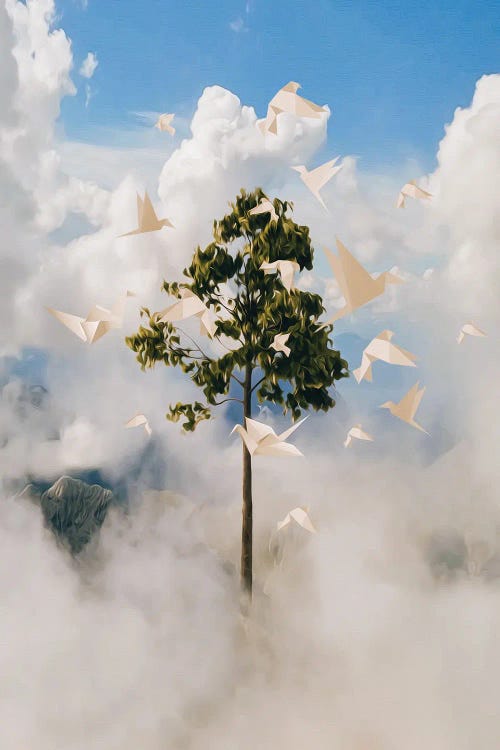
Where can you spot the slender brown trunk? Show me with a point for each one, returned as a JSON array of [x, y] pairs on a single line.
[[247, 514]]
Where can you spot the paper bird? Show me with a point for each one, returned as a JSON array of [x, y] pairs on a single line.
[[189, 305], [279, 343], [381, 348], [317, 178], [298, 516], [286, 269], [287, 100], [147, 218], [356, 284], [99, 321], [411, 190], [164, 123], [138, 421], [358, 433], [261, 439], [407, 407], [469, 329], [265, 207]]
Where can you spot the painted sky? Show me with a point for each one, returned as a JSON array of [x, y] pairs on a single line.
[[392, 73]]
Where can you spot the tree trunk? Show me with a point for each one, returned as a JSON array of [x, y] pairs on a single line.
[[247, 515]]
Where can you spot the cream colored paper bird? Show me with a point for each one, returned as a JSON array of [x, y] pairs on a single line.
[[411, 190], [317, 178], [147, 218], [469, 329], [407, 407], [279, 343], [139, 421], [265, 207], [358, 287], [188, 306], [261, 439], [285, 268], [98, 322], [287, 100], [381, 348], [163, 123], [357, 433], [299, 516]]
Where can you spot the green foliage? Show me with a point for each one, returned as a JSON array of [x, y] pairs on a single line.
[[260, 307]]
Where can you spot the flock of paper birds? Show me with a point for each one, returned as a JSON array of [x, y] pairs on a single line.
[[357, 285]]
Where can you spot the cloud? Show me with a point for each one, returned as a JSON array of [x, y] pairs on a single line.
[[89, 65], [141, 640], [238, 25]]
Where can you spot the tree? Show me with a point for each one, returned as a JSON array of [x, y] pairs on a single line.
[[260, 307]]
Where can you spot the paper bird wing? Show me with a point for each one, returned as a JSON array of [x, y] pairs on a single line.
[[305, 108], [285, 522], [98, 313], [73, 322], [300, 516], [136, 421], [401, 200], [287, 270], [287, 433], [264, 207], [357, 281], [257, 430], [269, 267], [95, 330], [149, 217], [472, 330], [411, 401], [277, 449], [183, 308], [320, 176]]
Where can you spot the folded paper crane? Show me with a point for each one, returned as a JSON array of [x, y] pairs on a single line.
[[147, 218], [411, 190], [317, 178], [469, 329], [138, 421], [299, 516], [357, 286], [357, 433], [188, 306], [261, 439], [163, 123], [407, 407], [285, 268], [264, 207], [279, 343], [287, 100], [381, 348], [98, 322]]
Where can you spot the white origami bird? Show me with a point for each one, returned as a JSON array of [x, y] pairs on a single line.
[[147, 218], [285, 268], [164, 123], [99, 321], [287, 100], [279, 343], [317, 178], [358, 433], [407, 407], [264, 207], [189, 305], [381, 348], [138, 421], [261, 439], [299, 516], [469, 329], [357, 286], [411, 190]]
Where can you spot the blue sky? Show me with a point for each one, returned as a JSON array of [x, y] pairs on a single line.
[[392, 72]]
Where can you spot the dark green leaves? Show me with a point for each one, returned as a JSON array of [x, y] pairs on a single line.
[[252, 308]]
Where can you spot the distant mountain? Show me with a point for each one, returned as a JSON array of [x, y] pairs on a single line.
[[73, 509]]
